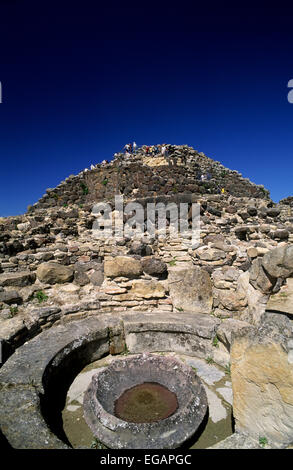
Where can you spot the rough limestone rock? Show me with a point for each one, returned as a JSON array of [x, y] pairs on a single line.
[[153, 266], [259, 279], [229, 299], [279, 262], [10, 297], [122, 266], [18, 279], [262, 382], [190, 289], [283, 300], [147, 289], [54, 273], [230, 327]]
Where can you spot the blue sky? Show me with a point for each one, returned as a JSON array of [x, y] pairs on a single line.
[[78, 84]]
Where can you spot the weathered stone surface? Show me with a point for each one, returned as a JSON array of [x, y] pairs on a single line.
[[190, 289], [17, 279], [279, 262], [259, 279], [185, 333], [230, 299], [223, 277], [207, 372], [231, 326], [81, 278], [283, 300], [282, 234], [147, 289], [262, 381], [241, 232], [122, 266], [44, 312], [22, 422], [28, 363], [155, 161], [237, 441], [96, 277], [153, 266], [10, 297], [210, 254], [273, 211], [41, 361], [13, 327], [141, 249], [54, 273]]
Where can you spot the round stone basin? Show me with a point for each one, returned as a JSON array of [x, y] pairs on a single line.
[[145, 402]]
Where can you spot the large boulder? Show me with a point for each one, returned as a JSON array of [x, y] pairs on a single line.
[[17, 279], [262, 381], [190, 289], [54, 273], [153, 266], [122, 266], [279, 262]]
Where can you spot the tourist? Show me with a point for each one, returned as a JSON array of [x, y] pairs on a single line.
[[223, 190], [126, 147], [163, 150], [134, 147]]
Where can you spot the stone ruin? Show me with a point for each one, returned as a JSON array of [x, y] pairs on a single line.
[[68, 299]]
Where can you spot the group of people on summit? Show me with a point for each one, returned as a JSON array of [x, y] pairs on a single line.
[[147, 149]]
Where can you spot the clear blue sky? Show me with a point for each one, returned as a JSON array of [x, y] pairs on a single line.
[[78, 83]]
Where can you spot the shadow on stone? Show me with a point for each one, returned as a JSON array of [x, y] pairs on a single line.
[[57, 381], [194, 438]]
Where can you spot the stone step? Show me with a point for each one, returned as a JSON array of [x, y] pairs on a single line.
[[17, 279]]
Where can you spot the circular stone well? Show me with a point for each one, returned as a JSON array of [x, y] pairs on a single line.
[[161, 400]]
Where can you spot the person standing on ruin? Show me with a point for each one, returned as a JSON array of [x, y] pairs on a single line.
[[134, 147], [126, 148]]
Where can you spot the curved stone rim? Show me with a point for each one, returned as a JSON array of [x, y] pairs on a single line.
[[30, 373], [117, 433]]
